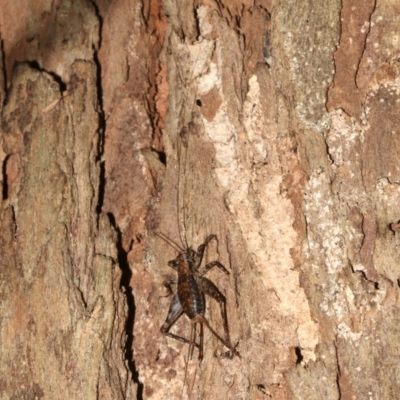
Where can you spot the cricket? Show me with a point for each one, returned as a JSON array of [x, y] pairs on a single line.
[[191, 285], [189, 299]]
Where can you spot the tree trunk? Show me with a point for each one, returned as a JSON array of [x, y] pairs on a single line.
[[273, 125]]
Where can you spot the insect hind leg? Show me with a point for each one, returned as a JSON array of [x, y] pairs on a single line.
[[224, 342], [174, 313], [211, 290]]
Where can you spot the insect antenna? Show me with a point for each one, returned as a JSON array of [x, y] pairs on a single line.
[[183, 147], [169, 241], [184, 138], [181, 195]]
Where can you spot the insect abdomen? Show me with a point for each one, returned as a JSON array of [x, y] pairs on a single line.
[[190, 296]]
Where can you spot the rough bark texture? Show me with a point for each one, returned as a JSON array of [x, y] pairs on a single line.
[[272, 124], [62, 310]]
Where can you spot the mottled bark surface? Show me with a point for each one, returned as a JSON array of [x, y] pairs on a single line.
[[272, 124], [62, 310]]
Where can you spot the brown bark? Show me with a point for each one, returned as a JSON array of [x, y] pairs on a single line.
[[62, 318], [272, 124]]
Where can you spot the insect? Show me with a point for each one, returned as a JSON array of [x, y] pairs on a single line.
[[192, 285], [190, 296]]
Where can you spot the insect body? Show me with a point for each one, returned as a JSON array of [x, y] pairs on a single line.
[[190, 299]]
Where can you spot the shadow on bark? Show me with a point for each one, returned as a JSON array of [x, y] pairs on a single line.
[[130, 300]]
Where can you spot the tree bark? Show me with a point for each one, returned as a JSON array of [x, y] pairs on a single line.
[[271, 124]]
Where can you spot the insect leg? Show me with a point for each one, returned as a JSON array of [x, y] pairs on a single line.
[[211, 265], [174, 313], [224, 342], [211, 290], [168, 284], [200, 250], [173, 264], [201, 341], [192, 339]]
